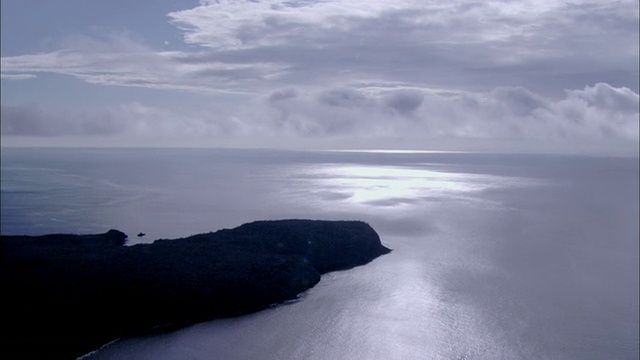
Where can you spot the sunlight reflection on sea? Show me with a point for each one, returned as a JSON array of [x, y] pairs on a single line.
[[493, 255]]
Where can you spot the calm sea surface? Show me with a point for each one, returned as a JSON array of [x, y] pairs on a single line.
[[495, 256]]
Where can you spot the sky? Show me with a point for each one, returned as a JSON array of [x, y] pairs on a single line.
[[507, 76]]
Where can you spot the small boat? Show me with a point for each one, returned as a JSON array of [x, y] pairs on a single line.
[[141, 234]]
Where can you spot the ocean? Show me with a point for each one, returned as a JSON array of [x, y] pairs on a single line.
[[495, 256]]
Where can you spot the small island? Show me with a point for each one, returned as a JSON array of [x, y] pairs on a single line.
[[66, 295]]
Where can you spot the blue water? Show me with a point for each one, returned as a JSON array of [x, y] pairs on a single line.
[[495, 256]]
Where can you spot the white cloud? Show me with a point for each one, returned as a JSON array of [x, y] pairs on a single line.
[[601, 112], [255, 47], [342, 69], [244, 24], [596, 116], [458, 44]]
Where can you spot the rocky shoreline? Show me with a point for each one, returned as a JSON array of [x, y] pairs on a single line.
[[66, 295]]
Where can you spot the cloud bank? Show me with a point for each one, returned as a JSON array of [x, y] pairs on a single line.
[[593, 115]]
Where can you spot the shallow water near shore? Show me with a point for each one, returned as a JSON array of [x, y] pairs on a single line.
[[495, 256]]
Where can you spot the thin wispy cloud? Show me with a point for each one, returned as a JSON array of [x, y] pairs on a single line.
[[18, 76], [119, 60]]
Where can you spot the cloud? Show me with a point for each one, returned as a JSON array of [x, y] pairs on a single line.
[[256, 47], [131, 120], [343, 97], [599, 112], [246, 24], [596, 116], [603, 96], [405, 101], [308, 70], [282, 95], [468, 46], [520, 114], [116, 58], [517, 100], [24, 120]]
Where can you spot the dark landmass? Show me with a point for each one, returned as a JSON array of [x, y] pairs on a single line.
[[66, 295]]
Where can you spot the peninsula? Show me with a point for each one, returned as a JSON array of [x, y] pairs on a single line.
[[66, 295]]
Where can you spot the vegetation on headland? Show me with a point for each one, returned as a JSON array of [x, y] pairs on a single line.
[[65, 295]]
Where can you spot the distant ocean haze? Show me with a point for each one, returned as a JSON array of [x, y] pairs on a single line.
[[495, 256]]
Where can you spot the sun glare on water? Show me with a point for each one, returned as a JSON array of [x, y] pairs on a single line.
[[392, 186]]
